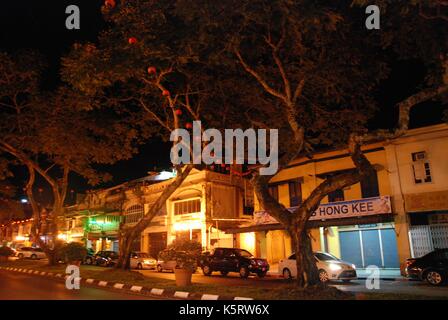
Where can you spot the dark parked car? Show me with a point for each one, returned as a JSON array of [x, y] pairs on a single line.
[[433, 267], [106, 258], [227, 260], [90, 257]]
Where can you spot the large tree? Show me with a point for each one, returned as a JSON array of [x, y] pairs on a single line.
[[135, 64], [56, 134], [307, 68]]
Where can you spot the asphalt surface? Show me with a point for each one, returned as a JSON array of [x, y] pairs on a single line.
[[18, 286], [402, 286]]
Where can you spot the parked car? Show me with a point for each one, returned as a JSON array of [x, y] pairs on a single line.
[[142, 260], [432, 267], [168, 265], [329, 267], [90, 257], [31, 253], [106, 258], [227, 260]]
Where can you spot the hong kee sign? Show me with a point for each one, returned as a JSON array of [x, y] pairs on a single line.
[[355, 208], [342, 209]]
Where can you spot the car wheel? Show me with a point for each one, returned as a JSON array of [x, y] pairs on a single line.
[[261, 274], [244, 272], [287, 274], [159, 268], [323, 276], [139, 266], [20, 256], [434, 278], [33, 257], [206, 270], [224, 273]]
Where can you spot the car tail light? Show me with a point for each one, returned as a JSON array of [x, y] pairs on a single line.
[[409, 262]]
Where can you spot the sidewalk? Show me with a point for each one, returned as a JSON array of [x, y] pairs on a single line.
[[385, 274]]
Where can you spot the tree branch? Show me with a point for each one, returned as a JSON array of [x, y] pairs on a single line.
[[259, 78]]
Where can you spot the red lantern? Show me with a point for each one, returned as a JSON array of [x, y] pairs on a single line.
[[109, 3], [178, 112], [188, 125], [132, 40], [152, 70], [165, 93], [223, 165]]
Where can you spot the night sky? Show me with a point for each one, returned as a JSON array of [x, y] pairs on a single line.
[[41, 25]]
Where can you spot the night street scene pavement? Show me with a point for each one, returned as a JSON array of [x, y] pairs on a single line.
[[223, 159]]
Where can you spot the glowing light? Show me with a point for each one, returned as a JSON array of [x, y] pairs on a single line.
[[187, 225], [335, 267], [247, 241], [22, 238], [24, 200], [62, 236]]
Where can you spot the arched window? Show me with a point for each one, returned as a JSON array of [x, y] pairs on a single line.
[[134, 213]]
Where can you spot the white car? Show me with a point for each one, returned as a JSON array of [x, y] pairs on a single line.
[[330, 268], [141, 260], [29, 252]]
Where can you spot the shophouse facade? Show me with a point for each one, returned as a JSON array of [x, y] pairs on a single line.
[[381, 221]]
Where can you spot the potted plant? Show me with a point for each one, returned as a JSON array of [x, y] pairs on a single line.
[[73, 253], [185, 253], [5, 253]]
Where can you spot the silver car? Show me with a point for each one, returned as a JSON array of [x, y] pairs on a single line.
[[142, 260]]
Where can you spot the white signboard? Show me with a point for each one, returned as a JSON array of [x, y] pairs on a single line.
[[341, 209]]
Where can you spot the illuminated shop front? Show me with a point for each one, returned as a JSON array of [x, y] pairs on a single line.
[[102, 232], [359, 231]]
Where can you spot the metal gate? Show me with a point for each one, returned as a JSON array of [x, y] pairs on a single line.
[[425, 239]]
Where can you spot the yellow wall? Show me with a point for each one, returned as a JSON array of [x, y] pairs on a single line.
[[278, 245]]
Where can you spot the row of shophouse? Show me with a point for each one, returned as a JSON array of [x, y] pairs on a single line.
[[400, 212]]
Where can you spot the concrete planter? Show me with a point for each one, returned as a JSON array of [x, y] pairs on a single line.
[[183, 277]]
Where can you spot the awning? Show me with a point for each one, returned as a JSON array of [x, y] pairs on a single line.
[[318, 223]]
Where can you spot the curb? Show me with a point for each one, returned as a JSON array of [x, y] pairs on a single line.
[[278, 276], [153, 292]]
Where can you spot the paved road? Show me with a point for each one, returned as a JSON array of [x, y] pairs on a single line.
[[18, 286], [386, 286], [397, 287]]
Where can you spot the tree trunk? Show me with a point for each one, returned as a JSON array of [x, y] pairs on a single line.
[[126, 240], [307, 273], [128, 235]]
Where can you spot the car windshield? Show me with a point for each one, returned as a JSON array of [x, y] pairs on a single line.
[[325, 256], [244, 253]]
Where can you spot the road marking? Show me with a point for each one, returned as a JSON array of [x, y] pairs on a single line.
[[43, 273], [242, 298], [209, 297], [136, 288], [156, 291], [181, 294], [102, 283], [118, 286], [90, 280]]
